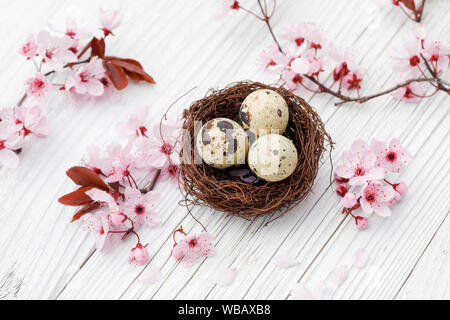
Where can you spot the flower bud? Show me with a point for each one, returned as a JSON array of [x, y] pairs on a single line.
[[401, 188], [349, 200], [340, 179], [341, 189], [139, 255], [361, 223], [117, 218]]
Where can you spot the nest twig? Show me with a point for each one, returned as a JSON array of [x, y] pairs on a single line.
[[204, 185]]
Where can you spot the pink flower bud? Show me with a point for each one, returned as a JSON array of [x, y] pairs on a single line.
[[340, 179], [401, 188], [117, 218], [341, 189], [361, 223], [349, 200], [139, 255]]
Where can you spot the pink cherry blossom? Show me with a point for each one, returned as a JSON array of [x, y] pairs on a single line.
[[55, 51], [410, 93], [437, 54], [97, 163], [100, 227], [139, 255], [401, 188], [140, 207], [193, 247], [375, 198], [285, 261], [32, 121], [309, 64], [87, 79], [306, 33], [71, 26], [265, 58], [227, 6], [291, 79], [123, 163], [161, 149], [170, 173], [360, 164], [362, 223], [105, 198], [110, 20], [29, 48], [393, 158], [406, 58], [225, 276], [38, 86], [349, 200], [10, 141], [135, 126], [352, 80]]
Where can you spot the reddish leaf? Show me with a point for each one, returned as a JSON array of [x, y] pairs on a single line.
[[98, 47], [116, 74], [85, 177], [89, 208], [132, 68], [410, 4], [77, 198]]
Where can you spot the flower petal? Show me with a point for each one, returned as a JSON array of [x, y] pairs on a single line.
[[360, 258], [225, 277], [300, 292], [285, 261], [151, 275]]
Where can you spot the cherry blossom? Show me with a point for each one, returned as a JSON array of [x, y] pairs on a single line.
[[29, 48], [362, 223], [393, 158], [359, 165], [193, 247], [410, 93], [349, 200], [98, 163], [140, 207], [135, 126], [401, 188], [123, 162], [71, 26], [10, 141], [406, 57], [110, 20], [54, 51], [309, 64], [437, 54], [375, 198], [99, 226], [32, 121], [139, 255], [227, 6], [87, 79], [38, 86]]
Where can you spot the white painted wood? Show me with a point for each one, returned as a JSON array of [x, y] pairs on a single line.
[[179, 42]]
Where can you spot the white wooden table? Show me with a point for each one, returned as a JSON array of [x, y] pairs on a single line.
[[180, 43]]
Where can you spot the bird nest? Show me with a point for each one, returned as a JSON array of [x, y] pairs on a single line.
[[204, 185]]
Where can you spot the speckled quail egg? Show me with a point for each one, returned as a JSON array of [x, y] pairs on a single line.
[[273, 157], [222, 143], [264, 112]]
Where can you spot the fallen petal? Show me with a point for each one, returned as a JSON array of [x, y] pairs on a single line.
[[151, 275], [285, 261], [225, 277], [339, 275], [322, 292], [300, 292], [360, 259]]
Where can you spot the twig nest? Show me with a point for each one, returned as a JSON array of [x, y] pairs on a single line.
[[264, 112], [202, 184], [273, 157], [222, 143]]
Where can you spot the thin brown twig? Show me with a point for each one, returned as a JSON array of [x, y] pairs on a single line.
[[267, 21]]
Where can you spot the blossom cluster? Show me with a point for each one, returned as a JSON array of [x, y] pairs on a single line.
[[113, 203], [418, 56], [304, 55], [77, 55], [365, 168]]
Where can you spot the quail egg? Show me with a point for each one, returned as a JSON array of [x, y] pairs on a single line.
[[273, 157], [222, 143], [264, 112]]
